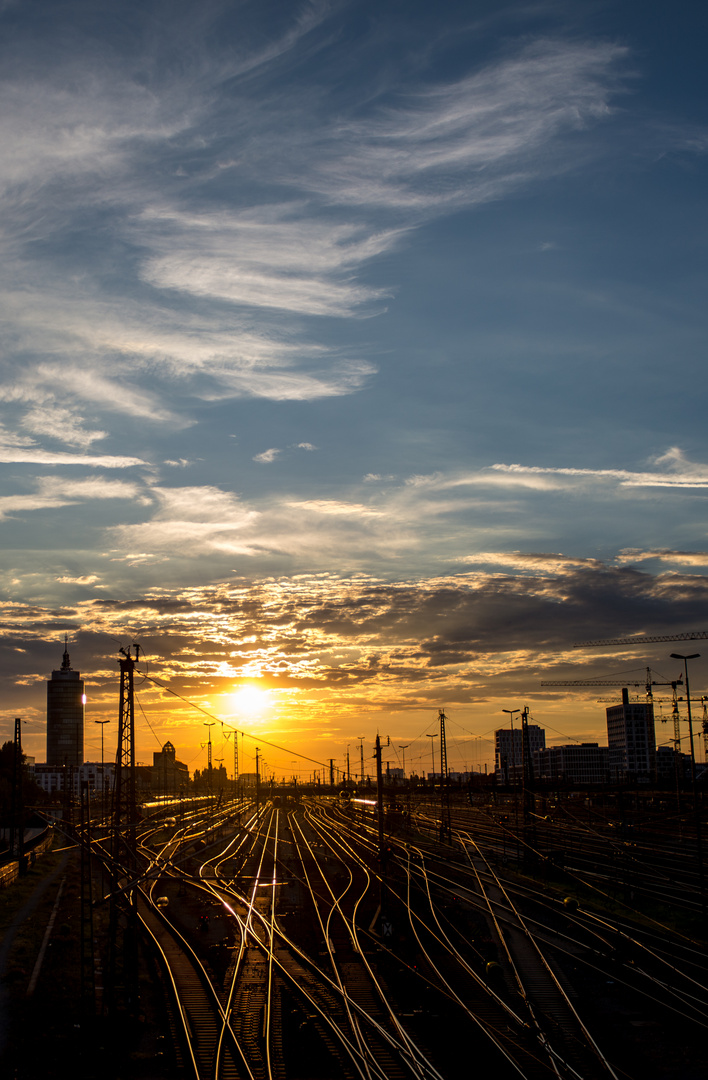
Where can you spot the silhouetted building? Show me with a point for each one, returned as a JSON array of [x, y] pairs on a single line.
[[574, 763], [631, 740], [508, 750], [56, 780], [672, 767], [168, 774], [65, 715]]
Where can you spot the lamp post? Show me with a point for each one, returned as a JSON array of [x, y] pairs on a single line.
[[404, 748], [516, 792], [103, 778], [696, 808], [432, 747], [513, 744]]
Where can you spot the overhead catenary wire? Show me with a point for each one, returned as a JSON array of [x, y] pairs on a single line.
[[256, 738]]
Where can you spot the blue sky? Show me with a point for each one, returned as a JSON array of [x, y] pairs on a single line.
[[353, 352]]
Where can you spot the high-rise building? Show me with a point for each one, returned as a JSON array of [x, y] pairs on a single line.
[[508, 750], [65, 715], [631, 739]]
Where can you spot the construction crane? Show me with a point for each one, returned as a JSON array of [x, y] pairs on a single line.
[[648, 683], [645, 639]]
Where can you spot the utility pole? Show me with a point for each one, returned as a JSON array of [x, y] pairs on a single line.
[[361, 774], [88, 979], [516, 790], [432, 747], [380, 801], [209, 724], [526, 757], [445, 822], [17, 810], [103, 775], [123, 842], [696, 804], [258, 782], [529, 784]]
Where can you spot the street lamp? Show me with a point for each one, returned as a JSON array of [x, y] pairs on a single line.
[[513, 743], [103, 778], [404, 748]]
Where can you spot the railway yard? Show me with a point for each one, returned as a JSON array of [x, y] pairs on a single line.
[[289, 943]]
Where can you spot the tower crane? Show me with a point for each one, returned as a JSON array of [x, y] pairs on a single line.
[[648, 683], [645, 639]]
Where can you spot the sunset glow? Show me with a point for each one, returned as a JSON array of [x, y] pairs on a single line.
[[337, 365], [250, 702]]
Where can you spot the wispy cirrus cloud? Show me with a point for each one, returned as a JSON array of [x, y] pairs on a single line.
[[675, 471], [666, 555], [340, 194], [53, 492], [478, 138], [205, 518], [541, 563], [335, 507], [18, 448], [692, 478]]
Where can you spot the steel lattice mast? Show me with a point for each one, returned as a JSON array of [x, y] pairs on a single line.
[[123, 852], [445, 823], [124, 805]]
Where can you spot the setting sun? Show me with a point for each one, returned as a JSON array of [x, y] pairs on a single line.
[[250, 699]]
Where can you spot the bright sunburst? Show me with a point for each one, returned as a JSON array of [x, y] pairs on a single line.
[[250, 700]]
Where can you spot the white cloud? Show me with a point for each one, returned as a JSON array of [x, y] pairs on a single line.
[[478, 138], [535, 563], [57, 491], [682, 558], [267, 455], [189, 520], [10, 505], [87, 579], [61, 423], [15, 448], [92, 487], [335, 506], [278, 257], [690, 477]]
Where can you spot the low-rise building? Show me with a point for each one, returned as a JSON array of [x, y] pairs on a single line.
[[574, 763], [60, 780]]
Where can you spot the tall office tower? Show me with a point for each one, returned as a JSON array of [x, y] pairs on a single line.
[[65, 715], [508, 750], [631, 739]]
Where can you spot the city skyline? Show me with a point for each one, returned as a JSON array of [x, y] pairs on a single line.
[[353, 358]]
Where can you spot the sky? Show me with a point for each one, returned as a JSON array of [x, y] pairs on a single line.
[[353, 366]]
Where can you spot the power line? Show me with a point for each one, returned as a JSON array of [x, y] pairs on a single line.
[[246, 734]]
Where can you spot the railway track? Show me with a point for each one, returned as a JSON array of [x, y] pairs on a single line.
[[479, 961]]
